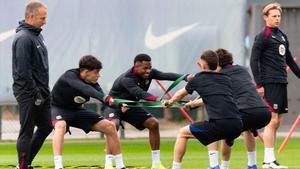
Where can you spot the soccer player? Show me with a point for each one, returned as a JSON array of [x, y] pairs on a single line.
[[133, 85], [31, 83], [269, 59], [253, 111], [74, 88], [224, 123]]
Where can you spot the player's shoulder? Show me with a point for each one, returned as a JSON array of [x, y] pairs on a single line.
[[283, 33], [240, 67], [264, 34], [22, 38], [71, 73]]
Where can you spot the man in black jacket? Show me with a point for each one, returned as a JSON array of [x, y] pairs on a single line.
[[133, 85], [30, 86], [269, 59]]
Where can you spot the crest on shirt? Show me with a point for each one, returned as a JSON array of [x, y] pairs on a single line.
[[281, 50], [79, 99], [275, 106], [58, 117]]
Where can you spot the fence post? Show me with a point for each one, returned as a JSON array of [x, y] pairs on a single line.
[[1, 109], [122, 132]]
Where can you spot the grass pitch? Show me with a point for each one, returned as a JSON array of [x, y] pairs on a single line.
[[136, 152]]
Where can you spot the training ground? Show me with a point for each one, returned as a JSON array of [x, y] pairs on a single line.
[[90, 153]]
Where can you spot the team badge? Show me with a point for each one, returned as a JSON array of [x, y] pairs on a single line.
[[58, 117], [79, 99], [275, 106], [281, 50]]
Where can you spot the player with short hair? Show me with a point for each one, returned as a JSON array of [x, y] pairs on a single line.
[[74, 88], [223, 121], [133, 85], [269, 58], [253, 111]]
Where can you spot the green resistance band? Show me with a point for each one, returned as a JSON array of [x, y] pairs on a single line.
[[153, 104], [150, 104], [174, 84]]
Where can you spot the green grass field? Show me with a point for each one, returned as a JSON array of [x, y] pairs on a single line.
[[136, 152]]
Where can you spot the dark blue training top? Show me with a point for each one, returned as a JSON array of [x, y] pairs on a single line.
[[216, 92], [244, 90]]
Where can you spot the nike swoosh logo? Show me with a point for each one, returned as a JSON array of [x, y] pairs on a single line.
[[154, 42], [7, 34]]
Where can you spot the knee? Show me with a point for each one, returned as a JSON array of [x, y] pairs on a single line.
[[116, 123], [60, 126], [182, 132], [110, 128], [275, 123], [152, 124]]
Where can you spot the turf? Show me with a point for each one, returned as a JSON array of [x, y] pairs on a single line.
[[136, 152]]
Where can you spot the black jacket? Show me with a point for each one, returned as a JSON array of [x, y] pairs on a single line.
[[132, 87], [71, 92], [270, 57], [30, 63]]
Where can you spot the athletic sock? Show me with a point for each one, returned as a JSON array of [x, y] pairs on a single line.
[[119, 161], [109, 159], [225, 164], [269, 155], [58, 162], [213, 158], [176, 165], [251, 158], [155, 157]]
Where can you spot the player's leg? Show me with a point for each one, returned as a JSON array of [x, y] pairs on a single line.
[[112, 140], [270, 137], [276, 96], [251, 149], [44, 128], [180, 146], [213, 155], [26, 131], [60, 128], [229, 129], [226, 153], [154, 138], [113, 116]]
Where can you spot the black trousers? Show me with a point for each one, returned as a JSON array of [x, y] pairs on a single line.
[[30, 142]]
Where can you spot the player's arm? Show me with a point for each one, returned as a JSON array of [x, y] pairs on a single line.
[[156, 74], [72, 79], [194, 103], [136, 91], [109, 100], [24, 49], [176, 97], [291, 62], [255, 58]]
